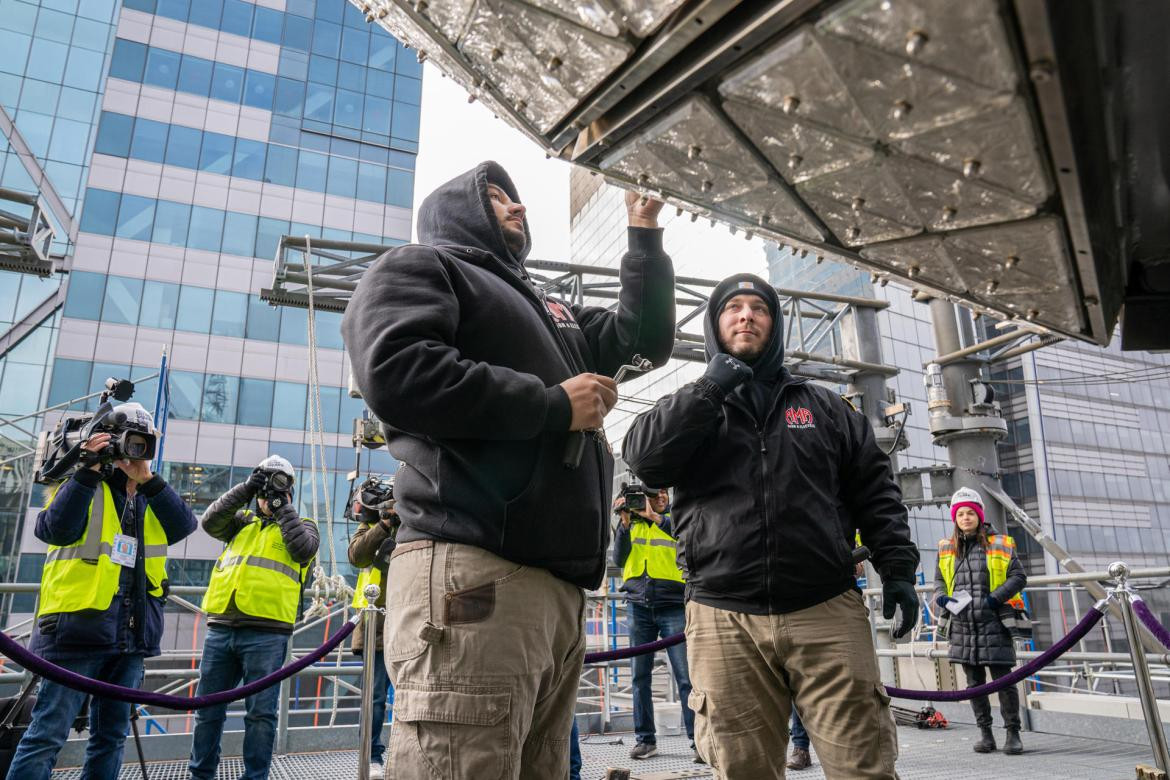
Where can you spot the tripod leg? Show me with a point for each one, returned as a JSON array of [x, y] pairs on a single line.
[[138, 740]]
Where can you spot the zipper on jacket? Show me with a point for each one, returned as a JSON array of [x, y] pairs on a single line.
[[763, 441]]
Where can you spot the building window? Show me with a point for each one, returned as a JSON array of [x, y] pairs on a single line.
[[255, 406], [184, 147], [220, 393], [99, 214], [162, 68], [128, 61], [160, 304], [194, 314], [122, 299], [114, 134], [228, 316], [135, 217], [84, 298], [227, 83]]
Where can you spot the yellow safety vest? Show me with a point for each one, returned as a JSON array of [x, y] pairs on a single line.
[[652, 551], [1000, 549], [81, 575], [367, 576], [257, 570]]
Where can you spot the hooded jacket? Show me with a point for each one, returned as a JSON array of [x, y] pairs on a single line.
[[459, 354], [767, 505]]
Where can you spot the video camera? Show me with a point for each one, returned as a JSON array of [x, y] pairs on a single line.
[[59, 453], [376, 496], [635, 496]]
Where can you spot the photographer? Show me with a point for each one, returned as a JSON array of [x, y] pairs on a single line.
[[653, 584], [252, 602], [773, 475], [370, 550], [103, 589]]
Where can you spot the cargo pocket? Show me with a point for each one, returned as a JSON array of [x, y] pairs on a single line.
[[408, 604], [697, 701], [886, 730], [449, 732]]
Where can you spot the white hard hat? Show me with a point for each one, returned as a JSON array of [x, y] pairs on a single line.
[[966, 495], [132, 413], [277, 463]]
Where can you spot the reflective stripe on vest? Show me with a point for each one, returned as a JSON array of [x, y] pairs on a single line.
[[81, 575], [367, 576], [652, 551], [999, 556], [256, 570]]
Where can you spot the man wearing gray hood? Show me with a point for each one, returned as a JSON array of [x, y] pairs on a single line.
[[481, 380]]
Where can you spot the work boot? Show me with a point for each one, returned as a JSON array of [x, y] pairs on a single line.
[[799, 759], [644, 750], [986, 743], [1013, 746]]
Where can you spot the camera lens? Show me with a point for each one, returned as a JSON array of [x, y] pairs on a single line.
[[279, 481], [136, 447]]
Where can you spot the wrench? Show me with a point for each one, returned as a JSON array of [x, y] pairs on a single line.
[[575, 446]]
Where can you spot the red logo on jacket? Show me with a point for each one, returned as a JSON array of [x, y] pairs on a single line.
[[799, 417], [561, 314]]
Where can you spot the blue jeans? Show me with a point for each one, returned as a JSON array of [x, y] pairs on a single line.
[[383, 698], [647, 624], [575, 753], [56, 709], [797, 732], [232, 656]]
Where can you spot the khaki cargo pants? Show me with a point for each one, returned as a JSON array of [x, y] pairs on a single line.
[[749, 670], [485, 656]]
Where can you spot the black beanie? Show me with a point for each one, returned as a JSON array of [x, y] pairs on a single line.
[[742, 284]]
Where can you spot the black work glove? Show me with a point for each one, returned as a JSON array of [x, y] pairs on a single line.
[[942, 601], [727, 372], [256, 480], [287, 514], [991, 602], [900, 593]]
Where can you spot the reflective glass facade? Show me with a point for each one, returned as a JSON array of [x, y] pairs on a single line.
[[187, 138]]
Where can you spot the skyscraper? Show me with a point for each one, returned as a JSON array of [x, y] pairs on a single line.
[[182, 138]]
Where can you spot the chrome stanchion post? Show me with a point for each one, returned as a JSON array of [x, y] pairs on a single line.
[[1141, 671], [369, 658]]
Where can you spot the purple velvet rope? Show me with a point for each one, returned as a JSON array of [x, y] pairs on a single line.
[[630, 652], [1150, 622], [1027, 670], [50, 671]]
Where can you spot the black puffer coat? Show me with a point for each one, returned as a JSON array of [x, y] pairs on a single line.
[[977, 635]]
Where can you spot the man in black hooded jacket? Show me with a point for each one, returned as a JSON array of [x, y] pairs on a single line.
[[773, 475], [481, 382]]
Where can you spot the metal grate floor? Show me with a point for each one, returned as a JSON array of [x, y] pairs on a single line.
[[924, 755]]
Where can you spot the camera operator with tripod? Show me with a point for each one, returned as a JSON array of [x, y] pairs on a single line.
[[252, 602], [645, 549], [104, 583], [370, 550]]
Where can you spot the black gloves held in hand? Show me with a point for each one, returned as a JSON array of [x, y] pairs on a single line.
[[900, 593], [942, 601], [727, 372]]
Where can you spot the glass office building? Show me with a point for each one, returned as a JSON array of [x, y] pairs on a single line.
[[179, 139]]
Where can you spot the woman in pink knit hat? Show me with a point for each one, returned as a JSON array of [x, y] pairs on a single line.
[[977, 585]]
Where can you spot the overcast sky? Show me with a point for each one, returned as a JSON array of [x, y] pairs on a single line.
[[455, 136]]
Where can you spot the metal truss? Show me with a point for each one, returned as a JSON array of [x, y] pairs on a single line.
[[812, 333], [25, 241]]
